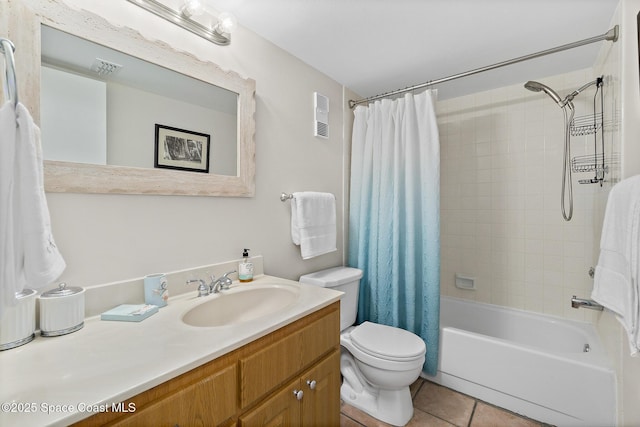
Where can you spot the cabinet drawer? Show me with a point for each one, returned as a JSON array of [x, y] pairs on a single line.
[[208, 402], [320, 337]]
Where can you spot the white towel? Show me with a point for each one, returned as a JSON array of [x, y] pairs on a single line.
[[313, 223], [616, 278], [29, 256]]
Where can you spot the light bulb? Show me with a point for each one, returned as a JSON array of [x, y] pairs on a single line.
[[192, 8], [227, 22]]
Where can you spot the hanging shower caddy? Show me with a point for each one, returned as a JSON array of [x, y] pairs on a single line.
[[592, 124]]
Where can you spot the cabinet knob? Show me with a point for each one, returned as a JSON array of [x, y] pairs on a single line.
[[298, 394], [311, 384]]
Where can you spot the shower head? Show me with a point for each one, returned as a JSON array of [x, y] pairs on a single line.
[[537, 87]]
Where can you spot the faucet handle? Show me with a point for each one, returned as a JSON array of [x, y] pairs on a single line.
[[225, 281], [228, 273], [203, 289]]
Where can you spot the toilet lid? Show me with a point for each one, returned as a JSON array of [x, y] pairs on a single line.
[[387, 342]]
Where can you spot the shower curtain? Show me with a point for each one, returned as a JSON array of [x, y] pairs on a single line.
[[394, 221]]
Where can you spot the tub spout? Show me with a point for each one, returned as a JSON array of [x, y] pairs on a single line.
[[586, 303]]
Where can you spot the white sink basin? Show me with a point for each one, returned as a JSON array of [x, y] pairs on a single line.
[[242, 304]]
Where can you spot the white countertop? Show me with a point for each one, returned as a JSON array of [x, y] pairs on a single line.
[[76, 375]]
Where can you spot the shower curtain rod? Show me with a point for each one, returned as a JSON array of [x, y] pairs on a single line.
[[611, 35]]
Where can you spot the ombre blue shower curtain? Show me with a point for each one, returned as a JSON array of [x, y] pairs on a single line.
[[394, 217]]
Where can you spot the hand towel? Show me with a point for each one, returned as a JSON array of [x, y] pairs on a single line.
[[313, 223], [616, 277], [28, 254]]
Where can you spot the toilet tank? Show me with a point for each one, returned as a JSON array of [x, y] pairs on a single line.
[[345, 279]]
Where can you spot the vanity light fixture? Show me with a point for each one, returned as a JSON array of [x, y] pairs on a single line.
[[220, 33], [192, 8]]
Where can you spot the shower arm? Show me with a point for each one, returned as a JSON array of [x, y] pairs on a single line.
[[569, 98]]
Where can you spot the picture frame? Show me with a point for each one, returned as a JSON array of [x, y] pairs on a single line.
[[181, 149]]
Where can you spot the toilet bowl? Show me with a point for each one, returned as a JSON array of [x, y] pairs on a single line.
[[378, 363]]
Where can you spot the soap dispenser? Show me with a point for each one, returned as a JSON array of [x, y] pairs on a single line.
[[245, 269]]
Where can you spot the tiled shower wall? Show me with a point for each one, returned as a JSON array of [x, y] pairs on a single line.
[[501, 177]]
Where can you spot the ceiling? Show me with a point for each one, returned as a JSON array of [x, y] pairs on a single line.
[[374, 46]]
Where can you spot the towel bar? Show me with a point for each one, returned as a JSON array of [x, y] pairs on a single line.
[[7, 48], [285, 196]]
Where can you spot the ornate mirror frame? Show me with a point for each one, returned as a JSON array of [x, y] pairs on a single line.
[[22, 20]]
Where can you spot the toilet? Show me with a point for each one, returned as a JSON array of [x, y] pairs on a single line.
[[378, 363]]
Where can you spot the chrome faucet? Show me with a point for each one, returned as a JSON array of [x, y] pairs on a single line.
[[222, 283], [216, 285], [586, 303], [203, 289]]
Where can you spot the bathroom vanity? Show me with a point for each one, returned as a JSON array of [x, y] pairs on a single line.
[[292, 375], [281, 368]]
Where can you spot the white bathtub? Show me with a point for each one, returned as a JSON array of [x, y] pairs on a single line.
[[531, 364]]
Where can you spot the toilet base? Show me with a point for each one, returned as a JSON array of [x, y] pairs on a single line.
[[394, 407]]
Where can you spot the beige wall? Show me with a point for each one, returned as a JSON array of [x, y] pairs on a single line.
[[501, 175], [609, 64], [346, 162], [630, 110], [107, 238]]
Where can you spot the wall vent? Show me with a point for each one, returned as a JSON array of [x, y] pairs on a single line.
[[105, 68], [321, 115]]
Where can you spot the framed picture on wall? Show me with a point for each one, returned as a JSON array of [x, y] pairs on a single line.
[[181, 149]]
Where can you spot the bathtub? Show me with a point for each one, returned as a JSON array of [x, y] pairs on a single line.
[[547, 368]]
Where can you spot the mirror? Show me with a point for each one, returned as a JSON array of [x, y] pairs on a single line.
[[231, 159], [120, 99]]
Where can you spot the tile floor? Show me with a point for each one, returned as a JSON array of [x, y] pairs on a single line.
[[437, 406]]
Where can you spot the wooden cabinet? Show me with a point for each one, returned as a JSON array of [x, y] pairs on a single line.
[[280, 410], [207, 402], [313, 399], [253, 385], [321, 403], [269, 367]]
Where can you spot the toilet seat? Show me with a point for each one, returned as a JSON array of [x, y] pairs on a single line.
[[387, 342], [376, 347]]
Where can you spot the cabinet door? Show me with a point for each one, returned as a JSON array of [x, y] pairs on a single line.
[[208, 402], [321, 402], [280, 410], [266, 369]]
